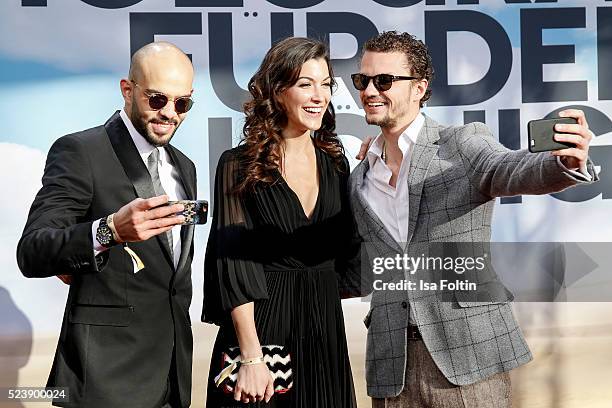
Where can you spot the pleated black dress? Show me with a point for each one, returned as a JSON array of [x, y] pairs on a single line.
[[264, 249]]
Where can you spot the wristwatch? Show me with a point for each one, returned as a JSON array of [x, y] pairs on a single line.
[[104, 234]]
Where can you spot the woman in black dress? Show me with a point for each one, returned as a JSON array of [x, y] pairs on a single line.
[[281, 235]]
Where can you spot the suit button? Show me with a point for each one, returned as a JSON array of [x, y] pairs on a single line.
[[405, 305], [173, 292]]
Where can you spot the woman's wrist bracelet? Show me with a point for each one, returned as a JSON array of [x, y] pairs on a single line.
[[251, 361]]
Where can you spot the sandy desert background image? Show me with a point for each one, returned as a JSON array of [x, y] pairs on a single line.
[[571, 343]]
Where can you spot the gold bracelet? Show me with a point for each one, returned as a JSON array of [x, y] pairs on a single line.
[[251, 361], [111, 225]]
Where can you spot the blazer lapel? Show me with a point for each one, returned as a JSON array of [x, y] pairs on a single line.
[[190, 190], [134, 167], [424, 150], [186, 240], [359, 201]]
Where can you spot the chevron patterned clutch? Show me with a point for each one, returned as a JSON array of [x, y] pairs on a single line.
[[277, 358]]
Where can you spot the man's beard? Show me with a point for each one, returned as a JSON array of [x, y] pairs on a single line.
[[399, 111], [140, 125], [385, 122]]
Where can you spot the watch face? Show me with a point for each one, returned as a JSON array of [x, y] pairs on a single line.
[[104, 235]]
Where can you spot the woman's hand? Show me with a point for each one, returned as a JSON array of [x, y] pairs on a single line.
[[254, 383]]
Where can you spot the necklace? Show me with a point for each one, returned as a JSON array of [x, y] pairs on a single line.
[[383, 155]]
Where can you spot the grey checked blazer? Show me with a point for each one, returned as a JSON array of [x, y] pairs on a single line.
[[455, 174]]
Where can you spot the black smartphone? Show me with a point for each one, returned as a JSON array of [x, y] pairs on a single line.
[[541, 134], [195, 212]]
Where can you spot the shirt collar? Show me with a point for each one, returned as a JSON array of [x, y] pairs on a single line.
[[406, 139], [144, 147]]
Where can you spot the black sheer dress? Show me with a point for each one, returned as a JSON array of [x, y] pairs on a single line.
[[263, 248]]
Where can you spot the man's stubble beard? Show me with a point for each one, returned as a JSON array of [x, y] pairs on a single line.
[[385, 122], [140, 124]]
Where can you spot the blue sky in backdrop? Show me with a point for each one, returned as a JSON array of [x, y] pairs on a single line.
[[60, 68]]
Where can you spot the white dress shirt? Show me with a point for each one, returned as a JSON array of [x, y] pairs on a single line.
[[168, 176], [388, 202]]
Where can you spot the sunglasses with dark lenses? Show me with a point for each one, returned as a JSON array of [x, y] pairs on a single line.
[[158, 100], [382, 82]]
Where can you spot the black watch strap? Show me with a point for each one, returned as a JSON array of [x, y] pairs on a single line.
[[104, 234]]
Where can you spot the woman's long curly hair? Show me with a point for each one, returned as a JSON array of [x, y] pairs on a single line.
[[266, 118]]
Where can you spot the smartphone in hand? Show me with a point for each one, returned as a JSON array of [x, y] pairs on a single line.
[[195, 212], [541, 134]]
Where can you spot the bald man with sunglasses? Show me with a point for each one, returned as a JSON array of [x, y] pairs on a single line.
[[421, 184], [100, 224]]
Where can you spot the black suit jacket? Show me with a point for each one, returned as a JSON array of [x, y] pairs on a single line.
[[120, 328]]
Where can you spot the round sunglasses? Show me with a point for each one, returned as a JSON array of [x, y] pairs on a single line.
[[158, 100], [382, 82]]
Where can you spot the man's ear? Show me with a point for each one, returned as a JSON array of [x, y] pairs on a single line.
[[127, 88], [420, 88]]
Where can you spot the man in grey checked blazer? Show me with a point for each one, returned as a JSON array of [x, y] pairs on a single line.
[[424, 183]]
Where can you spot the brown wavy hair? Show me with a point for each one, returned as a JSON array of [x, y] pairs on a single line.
[[266, 118], [416, 52]]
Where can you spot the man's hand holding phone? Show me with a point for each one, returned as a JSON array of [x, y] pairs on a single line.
[[575, 136], [574, 158], [142, 219]]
